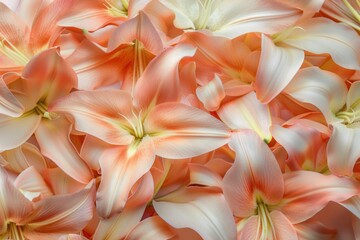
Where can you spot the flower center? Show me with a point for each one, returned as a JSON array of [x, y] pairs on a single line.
[[265, 227], [14, 232], [10, 51], [117, 8], [136, 126], [351, 118]]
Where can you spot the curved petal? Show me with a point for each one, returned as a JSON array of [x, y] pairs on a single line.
[[254, 174], [60, 182], [24, 156], [353, 98], [86, 15], [278, 65], [14, 205], [151, 228], [234, 18], [201, 175], [200, 209], [44, 29], [20, 129], [98, 113], [121, 167], [12, 28], [211, 94], [180, 131], [54, 79], [66, 213], [322, 89], [247, 112], [94, 67], [322, 35], [138, 28], [54, 141], [32, 184], [91, 151], [282, 226], [250, 229], [343, 149], [160, 81], [118, 226], [9, 105], [353, 205], [306, 193]]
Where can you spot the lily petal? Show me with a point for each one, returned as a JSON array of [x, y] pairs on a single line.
[[31, 183], [343, 150], [138, 28], [353, 98], [20, 129], [53, 138], [210, 215], [97, 113], [247, 112], [121, 167], [180, 131], [322, 35], [278, 65], [254, 174], [66, 213], [322, 89], [211, 94], [306, 193], [9, 105], [160, 81], [54, 79], [118, 226]]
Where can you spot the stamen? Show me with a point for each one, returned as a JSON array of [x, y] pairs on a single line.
[[205, 12], [12, 52], [41, 109], [116, 11], [349, 117], [352, 9], [15, 232], [265, 227]]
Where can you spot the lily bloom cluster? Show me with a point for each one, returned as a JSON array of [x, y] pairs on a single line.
[[179, 119]]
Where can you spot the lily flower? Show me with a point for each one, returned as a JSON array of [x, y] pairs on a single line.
[[340, 107], [229, 18], [268, 203], [28, 31], [33, 92], [48, 218], [151, 122], [285, 52]]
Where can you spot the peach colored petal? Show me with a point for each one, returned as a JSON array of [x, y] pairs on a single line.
[[306, 193], [180, 131], [66, 213], [151, 228], [247, 112], [201, 175], [138, 28], [343, 150], [121, 167], [87, 15], [321, 35], [13, 203], [60, 182], [9, 105], [20, 129], [211, 94], [322, 89], [283, 228], [200, 209], [254, 174], [53, 138], [278, 65], [32, 184], [48, 76], [160, 81], [118, 226], [99, 113]]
